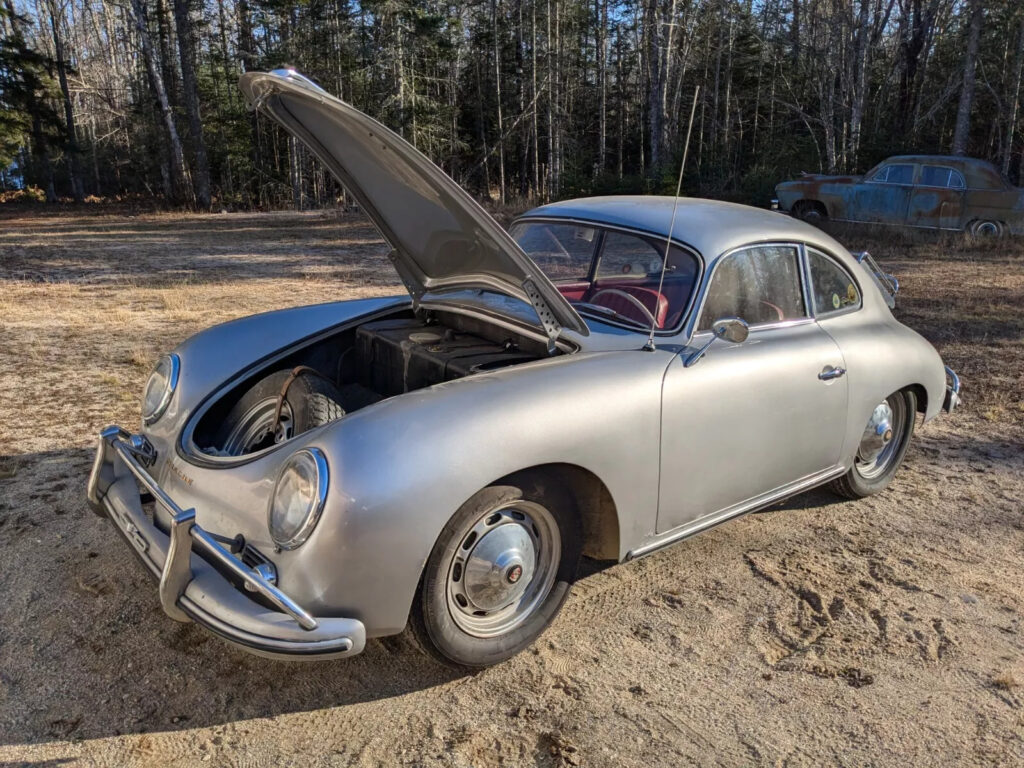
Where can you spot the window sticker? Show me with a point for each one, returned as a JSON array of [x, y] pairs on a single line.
[[835, 301], [851, 294]]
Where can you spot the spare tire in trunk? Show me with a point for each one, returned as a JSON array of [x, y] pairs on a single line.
[[255, 422]]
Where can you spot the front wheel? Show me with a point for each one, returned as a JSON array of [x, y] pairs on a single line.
[[882, 447], [498, 574]]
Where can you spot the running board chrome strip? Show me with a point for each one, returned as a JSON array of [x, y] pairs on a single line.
[[710, 521]]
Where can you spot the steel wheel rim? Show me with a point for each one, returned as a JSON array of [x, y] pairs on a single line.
[[873, 461], [987, 229], [503, 569], [254, 428]]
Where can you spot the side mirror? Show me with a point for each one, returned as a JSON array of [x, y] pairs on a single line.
[[732, 329]]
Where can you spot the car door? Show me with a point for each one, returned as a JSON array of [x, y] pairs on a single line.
[[938, 198], [748, 419], [884, 196]]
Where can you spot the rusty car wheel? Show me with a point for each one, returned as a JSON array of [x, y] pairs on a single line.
[[810, 211], [986, 229], [498, 574]]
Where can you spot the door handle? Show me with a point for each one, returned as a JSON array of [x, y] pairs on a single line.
[[828, 373]]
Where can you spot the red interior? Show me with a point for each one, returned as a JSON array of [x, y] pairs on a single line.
[[609, 293]]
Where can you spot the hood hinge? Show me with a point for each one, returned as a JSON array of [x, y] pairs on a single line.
[[414, 289], [547, 317]]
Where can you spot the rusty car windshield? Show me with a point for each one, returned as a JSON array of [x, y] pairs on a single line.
[[611, 275]]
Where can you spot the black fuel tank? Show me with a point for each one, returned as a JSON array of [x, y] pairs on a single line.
[[396, 356]]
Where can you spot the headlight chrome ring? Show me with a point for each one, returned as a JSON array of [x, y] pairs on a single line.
[[164, 376], [305, 478]]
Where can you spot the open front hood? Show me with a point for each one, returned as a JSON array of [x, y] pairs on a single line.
[[442, 239]]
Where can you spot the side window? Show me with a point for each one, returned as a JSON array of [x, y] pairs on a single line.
[[760, 284], [938, 176], [562, 251], [624, 255], [895, 174], [832, 288]]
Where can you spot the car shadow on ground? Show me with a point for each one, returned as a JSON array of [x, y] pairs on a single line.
[[86, 651]]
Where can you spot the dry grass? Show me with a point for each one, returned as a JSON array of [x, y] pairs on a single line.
[[817, 633], [1006, 681]]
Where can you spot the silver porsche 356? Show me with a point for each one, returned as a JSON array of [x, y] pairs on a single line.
[[582, 385]]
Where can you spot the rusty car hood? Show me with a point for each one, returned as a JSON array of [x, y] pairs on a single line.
[[819, 178], [443, 240]]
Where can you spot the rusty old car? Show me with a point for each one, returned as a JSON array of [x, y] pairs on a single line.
[[307, 478], [928, 191]]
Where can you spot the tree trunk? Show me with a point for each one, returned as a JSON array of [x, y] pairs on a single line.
[[497, 96], [963, 114], [74, 174], [601, 13], [200, 168], [179, 186], [860, 69], [655, 95], [1018, 71], [536, 100]]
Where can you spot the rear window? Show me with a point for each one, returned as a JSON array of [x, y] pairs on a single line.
[[562, 251], [625, 255], [938, 176], [622, 287]]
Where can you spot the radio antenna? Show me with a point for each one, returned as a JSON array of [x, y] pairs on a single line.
[[649, 346]]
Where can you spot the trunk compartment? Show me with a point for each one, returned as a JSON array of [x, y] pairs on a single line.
[[384, 357]]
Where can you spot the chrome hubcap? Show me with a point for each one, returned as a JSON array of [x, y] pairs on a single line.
[[877, 433], [879, 444], [256, 430], [503, 569], [987, 229]]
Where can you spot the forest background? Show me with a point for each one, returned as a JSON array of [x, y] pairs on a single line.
[[520, 102]]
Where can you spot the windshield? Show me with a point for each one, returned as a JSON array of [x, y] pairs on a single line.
[[612, 275]]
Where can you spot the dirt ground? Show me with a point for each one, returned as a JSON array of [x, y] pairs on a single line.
[[819, 632]]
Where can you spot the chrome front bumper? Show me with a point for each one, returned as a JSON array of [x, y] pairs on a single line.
[[952, 400], [190, 563]]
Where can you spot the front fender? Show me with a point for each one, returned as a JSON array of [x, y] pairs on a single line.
[[400, 470]]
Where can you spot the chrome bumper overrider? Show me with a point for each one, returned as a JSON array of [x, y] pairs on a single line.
[[184, 558], [952, 401]]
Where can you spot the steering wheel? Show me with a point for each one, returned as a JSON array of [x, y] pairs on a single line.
[[630, 297]]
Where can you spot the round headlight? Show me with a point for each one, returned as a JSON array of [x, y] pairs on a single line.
[[298, 498], [159, 388]]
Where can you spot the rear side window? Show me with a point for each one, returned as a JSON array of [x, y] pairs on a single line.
[[562, 251], [895, 174], [938, 176], [625, 255], [760, 285], [832, 288]]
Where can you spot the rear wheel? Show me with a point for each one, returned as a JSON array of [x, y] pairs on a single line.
[[498, 574], [986, 228], [882, 447]]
